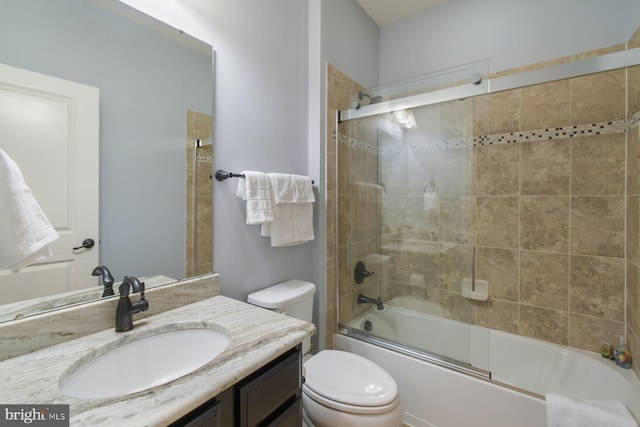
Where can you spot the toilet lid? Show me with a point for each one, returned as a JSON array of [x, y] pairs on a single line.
[[350, 379]]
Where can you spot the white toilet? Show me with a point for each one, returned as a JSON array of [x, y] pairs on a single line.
[[340, 388]]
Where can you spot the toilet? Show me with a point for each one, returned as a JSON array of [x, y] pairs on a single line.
[[340, 388]]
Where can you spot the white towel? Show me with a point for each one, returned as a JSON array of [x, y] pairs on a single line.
[[291, 188], [293, 210], [255, 188], [25, 231], [565, 412]]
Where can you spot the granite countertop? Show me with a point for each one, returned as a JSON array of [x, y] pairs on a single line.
[[257, 337]]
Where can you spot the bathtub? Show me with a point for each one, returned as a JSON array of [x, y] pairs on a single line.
[[507, 389]]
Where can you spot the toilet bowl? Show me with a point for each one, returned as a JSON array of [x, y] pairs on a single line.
[[340, 388], [344, 389]]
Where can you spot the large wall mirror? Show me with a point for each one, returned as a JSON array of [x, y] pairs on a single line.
[[155, 105]]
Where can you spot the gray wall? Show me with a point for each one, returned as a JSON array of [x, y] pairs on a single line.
[[260, 123], [146, 83], [510, 33], [350, 40]]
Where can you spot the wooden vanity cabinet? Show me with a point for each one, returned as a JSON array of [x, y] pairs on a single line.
[[271, 396]]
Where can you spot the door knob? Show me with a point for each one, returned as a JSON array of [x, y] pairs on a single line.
[[86, 244]]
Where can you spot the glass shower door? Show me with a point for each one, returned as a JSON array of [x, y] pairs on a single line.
[[406, 210]]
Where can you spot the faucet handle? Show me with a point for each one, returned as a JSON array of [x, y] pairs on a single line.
[[361, 272]]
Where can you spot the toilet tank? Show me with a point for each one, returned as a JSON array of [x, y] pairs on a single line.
[[293, 298]]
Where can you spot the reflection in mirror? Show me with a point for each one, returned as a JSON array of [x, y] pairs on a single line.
[[155, 88]]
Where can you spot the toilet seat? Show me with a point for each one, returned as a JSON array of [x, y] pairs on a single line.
[[348, 382], [341, 407]]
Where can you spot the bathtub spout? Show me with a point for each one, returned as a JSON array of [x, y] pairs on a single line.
[[366, 300]]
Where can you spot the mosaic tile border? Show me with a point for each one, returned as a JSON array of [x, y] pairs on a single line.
[[603, 128], [356, 144]]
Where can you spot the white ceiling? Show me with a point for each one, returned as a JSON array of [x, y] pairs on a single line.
[[385, 12]]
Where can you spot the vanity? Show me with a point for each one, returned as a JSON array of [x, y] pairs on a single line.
[[255, 378]]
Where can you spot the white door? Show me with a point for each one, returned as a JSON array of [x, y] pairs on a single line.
[[50, 128]]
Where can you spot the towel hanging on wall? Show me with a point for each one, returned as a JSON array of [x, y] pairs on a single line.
[[256, 190], [293, 210], [25, 230]]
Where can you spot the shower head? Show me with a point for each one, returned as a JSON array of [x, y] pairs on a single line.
[[366, 99]]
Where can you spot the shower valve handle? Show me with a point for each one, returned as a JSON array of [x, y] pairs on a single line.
[[361, 272]]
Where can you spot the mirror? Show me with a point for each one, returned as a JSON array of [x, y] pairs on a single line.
[[155, 100]]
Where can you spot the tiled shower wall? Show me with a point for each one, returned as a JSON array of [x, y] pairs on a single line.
[[541, 195], [633, 212], [199, 215]]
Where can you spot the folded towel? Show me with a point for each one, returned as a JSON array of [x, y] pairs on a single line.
[[255, 188], [25, 231], [293, 210], [292, 225], [565, 412], [291, 188]]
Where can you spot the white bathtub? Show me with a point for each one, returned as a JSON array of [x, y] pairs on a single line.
[[436, 396]]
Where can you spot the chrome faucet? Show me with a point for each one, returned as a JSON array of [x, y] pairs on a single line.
[[366, 300], [126, 309], [107, 279]]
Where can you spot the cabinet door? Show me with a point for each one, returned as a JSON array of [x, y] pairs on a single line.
[[270, 393], [292, 417], [210, 417]]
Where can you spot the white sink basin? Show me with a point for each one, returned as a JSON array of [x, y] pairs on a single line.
[[145, 363]]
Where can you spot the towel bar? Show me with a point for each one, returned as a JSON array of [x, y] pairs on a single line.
[[223, 175]]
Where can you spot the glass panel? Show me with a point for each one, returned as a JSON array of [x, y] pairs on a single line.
[[406, 209]]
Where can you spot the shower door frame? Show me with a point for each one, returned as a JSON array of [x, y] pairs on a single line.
[[598, 64]]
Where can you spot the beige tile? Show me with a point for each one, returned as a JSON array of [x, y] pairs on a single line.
[[633, 229], [545, 167], [343, 272], [497, 221], [482, 114], [422, 268], [422, 218], [498, 314], [597, 225], [633, 90], [504, 110], [389, 290], [423, 300], [455, 306], [633, 297], [546, 105], [393, 215], [456, 172], [457, 218], [598, 52], [455, 119], [587, 332], [544, 324], [597, 287], [633, 161], [500, 268], [455, 263], [498, 169], [598, 97], [421, 171], [544, 280], [598, 165], [395, 268], [544, 223]]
